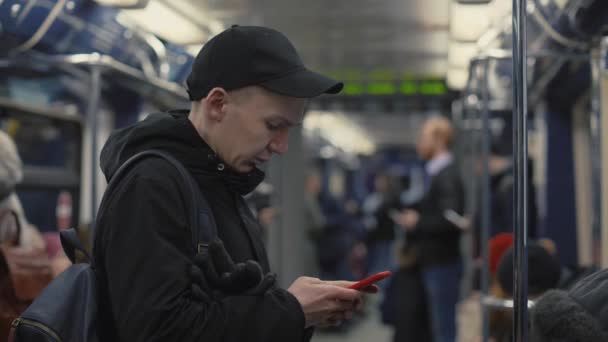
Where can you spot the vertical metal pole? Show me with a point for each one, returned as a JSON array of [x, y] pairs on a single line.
[[473, 146], [93, 120], [520, 156], [485, 198], [596, 139], [600, 66]]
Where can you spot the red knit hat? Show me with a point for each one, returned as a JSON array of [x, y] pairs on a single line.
[[499, 245]]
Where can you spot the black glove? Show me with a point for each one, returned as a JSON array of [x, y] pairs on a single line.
[[200, 289], [215, 273]]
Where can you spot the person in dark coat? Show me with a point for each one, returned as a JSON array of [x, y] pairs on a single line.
[[404, 304], [151, 286], [544, 273], [502, 182], [380, 227], [434, 227]]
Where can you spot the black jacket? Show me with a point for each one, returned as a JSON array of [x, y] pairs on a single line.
[[142, 245], [435, 238], [404, 306], [502, 185], [384, 229]]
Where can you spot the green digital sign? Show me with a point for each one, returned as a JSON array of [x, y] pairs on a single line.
[[353, 89], [383, 81], [381, 88], [433, 88], [407, 88]]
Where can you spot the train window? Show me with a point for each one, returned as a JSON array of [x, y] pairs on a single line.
[[41, 207], [44, 141], [50, 145]]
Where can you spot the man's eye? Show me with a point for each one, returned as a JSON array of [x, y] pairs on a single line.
[[272, 127]]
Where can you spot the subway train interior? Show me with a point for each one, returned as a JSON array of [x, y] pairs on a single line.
[[464, 153]]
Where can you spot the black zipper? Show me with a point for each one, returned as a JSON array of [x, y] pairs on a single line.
[[23, 321]]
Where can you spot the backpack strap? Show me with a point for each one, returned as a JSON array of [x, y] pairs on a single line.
[[71, 243], [202, 222]]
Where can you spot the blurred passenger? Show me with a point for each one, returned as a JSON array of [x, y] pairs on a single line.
[[544, 270], [544, 273], [414, 187], [357, 257], [340, 240], [469, 309], [380, 227], [434, 227], [11, 174], [260, 204], [578, 314], [152, 287], [499, 245], [404, 304], [333, 230], [502, 183], [314, 213], [24, 266]]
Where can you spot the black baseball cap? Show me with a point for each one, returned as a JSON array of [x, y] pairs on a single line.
[[244, 56]]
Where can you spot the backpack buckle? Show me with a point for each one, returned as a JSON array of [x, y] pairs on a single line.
[[202, 247]]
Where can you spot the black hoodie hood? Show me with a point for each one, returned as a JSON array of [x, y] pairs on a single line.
[[173, 133]]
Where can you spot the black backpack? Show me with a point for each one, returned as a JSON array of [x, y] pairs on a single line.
[[67, 309]]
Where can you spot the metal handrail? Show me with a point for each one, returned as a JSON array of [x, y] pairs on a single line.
[[499, 303], [46, 112], [103, 61]]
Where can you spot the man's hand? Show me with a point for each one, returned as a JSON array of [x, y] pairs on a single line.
[[408, 219], [216, 271], [326, 303], [267, 215]]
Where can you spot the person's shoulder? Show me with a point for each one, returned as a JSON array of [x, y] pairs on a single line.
[[155, 170], [148, 176], [451, 170]]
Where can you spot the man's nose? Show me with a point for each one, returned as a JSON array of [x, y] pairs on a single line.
[[280, 143]]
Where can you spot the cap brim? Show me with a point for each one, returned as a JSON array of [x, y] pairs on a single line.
[[304, 84]]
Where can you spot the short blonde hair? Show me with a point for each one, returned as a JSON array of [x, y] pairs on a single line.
[[442, 129]]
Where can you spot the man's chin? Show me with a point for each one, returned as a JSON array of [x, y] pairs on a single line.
[[246, 167]]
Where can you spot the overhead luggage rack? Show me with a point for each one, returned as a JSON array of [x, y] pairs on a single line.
[[112, 71], [98, 70]]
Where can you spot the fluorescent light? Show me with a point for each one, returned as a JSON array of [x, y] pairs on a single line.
[[162, 21], [457, 78], [468, 21], [460, 54], [123, 3], [194, 49], [341, 132], [499, 10]]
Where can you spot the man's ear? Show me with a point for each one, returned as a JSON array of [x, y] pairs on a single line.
[[215, 102]]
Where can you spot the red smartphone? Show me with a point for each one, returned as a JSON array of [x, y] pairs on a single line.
[[361, 284]]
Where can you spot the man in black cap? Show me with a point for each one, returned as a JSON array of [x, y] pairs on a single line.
[[248, 87]]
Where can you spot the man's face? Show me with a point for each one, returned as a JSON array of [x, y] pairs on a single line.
[[382, 183], [255, 126], [313, 184], [426, 142]]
